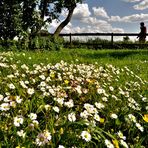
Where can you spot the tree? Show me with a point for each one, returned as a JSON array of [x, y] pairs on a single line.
[[19, 17], [70, 5], [10, 19]]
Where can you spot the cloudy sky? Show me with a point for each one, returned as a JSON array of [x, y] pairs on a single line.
[[107, 16]]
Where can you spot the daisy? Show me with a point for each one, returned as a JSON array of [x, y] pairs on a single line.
[[32, 116], [86, 136], [21, 133], [72, 117], [18, 121], [4, 106], [11, 86], [30, 91], [113, 116]]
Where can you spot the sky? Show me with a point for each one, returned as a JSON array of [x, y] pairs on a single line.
[[97, 16]]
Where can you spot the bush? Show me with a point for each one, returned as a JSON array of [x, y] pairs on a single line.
[[38, 42], [47, 43]]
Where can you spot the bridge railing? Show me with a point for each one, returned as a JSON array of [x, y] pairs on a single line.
[[112, 35]]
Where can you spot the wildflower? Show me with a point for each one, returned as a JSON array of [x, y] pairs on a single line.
[[78, 89], [61, 146], [18, 121], [24, 66], [18, 99], [97, 117], [100, 91], [30, 91], [66, 81], [19, 147], [132, 117], [13, 104], [32, 116], [23, 84], [104, 99], [86, 136], [59, 100], [114, 116], [84, 114], [90, 108], [111, 88], [145, 117], [7, 99], [144, 99], [126, 94], [109, 144], [47, 107], [115, 142], [124, 143], [43, 138], [21, 133], [1, 97], [11, 86], [99, 105], [120, 134], [102, 120], [69, 104], [72, 117], [43, 84], [56, 109], [139, 127], [31, 126], [4, 106], [47, 134], [35, 122]]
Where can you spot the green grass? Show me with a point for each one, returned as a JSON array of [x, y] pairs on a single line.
[[74, 98], [137, 60]]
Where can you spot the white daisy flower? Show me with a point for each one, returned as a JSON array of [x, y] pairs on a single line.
[[21, 133], [4, 106], [113, 116], [30, 91], [56, 109], [32, 116], [18, 121], [86, 136], [72, 117], [11, 86]]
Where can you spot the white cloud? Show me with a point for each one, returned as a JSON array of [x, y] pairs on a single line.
[[93, 24], [100, 11], [81, 11], [130, 19], [52, 27], [132, 1], [142, 5]]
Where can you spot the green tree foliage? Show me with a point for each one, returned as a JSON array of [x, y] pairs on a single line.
[[26, 18], [10, 19]]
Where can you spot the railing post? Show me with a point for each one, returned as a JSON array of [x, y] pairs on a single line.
[[70, 38], [112, 39]]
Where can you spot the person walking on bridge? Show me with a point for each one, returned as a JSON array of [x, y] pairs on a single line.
[[142, 34]]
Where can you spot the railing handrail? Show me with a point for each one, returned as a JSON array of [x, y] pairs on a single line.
[[99, 34]]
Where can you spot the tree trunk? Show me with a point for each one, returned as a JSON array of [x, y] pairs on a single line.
[[65, 22]]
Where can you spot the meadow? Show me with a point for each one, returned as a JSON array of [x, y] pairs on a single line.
[[74, 98]]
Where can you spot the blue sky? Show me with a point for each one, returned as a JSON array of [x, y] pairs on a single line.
[[107, 16]]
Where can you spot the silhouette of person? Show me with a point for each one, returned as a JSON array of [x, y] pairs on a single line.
[[142, 34]]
